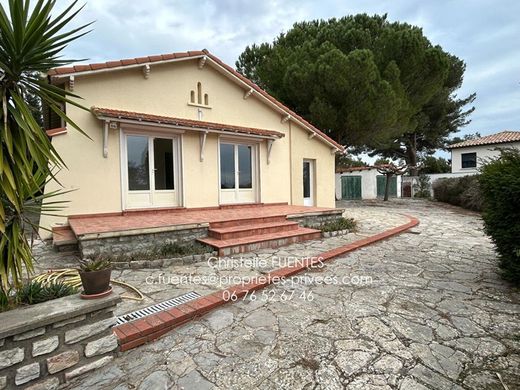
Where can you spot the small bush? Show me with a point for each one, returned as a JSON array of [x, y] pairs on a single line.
[[500, 184], [339, 224], [422, 188], [4, 300], [460, 191], [169, 250]]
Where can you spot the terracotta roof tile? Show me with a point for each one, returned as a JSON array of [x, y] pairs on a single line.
[[81, 68], [128, 61], [171, 56], [98, 66], [113, 64], [498, 138], [142, 60], [138, 116], [168, 56]]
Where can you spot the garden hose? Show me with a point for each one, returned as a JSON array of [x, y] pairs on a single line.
[[70, 277]]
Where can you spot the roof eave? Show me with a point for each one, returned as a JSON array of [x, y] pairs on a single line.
[[58, 76], [183, 127], [216, 63]]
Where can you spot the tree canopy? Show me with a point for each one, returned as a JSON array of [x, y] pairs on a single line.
[[432, 164], [367, 82]]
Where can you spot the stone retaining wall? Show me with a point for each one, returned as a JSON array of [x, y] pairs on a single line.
[[129, 243], [166, 262], [45, 345], [316, 220]]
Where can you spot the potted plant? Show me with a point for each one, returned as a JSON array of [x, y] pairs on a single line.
[[95, 278]]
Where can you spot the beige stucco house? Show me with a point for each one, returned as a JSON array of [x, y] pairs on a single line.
[[182, 130]]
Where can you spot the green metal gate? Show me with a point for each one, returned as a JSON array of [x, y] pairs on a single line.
[[381, 183], [351, 187]]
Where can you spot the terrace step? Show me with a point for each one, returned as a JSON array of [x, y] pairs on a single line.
[[247, 230], [247, 221], [64, 239], [260, 241]]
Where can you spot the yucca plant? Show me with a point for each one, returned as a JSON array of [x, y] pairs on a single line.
[[91, 265], [31, 42], [34, 292]]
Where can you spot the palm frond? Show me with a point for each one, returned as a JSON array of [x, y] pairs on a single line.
[[31, 40]]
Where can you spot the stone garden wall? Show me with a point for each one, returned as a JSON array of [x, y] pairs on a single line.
[[166, 262], [45, 345], [138, 242]]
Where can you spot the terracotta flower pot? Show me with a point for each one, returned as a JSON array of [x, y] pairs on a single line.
[[95, 282]]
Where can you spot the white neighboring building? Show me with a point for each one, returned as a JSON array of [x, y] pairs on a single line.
[[467, 156], [364, 183]]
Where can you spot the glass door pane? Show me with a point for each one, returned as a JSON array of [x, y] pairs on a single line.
[[227, 166], [138, 164], [306, 179], [245, 178], [163, 164]]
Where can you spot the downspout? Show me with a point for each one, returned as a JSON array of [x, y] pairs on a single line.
[[290, 165]]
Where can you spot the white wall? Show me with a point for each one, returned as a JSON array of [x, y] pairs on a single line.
[[483, 152], [368, 183]]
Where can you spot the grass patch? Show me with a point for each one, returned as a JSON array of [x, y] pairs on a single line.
[[170, 250], [339, 224]]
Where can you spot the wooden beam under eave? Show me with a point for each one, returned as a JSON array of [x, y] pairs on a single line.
[[248, 93], [202, 142], [105, 140], [202, 62], [146, 71], [269, 148]]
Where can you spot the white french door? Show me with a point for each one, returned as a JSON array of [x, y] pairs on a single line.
[[237, 172], [152, 171]]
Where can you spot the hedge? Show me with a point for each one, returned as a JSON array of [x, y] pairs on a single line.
[[461, 191], [500, 184]]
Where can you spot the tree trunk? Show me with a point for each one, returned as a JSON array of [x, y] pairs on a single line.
[[411, 156], [387, 185]]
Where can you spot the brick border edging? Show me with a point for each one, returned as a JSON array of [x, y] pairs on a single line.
[[139, 332]]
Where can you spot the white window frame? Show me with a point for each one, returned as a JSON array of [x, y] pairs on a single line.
[[255, 165], [178, 161]]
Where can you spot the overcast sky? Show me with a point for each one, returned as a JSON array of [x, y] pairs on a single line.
[[485, 34]]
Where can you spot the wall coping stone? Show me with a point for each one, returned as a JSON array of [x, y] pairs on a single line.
[[135, 232], [316, 214], [24, 319]]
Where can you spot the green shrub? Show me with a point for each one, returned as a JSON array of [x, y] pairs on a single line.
[[460, 191], [4, 300], [169, 250], [36, 292], [339, 224], [500, 184], [422, 188]]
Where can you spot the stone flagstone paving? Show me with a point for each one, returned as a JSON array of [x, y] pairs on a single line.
[[436, 316]]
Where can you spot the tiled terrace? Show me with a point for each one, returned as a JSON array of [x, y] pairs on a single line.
[[228, 229], [142, 220]]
